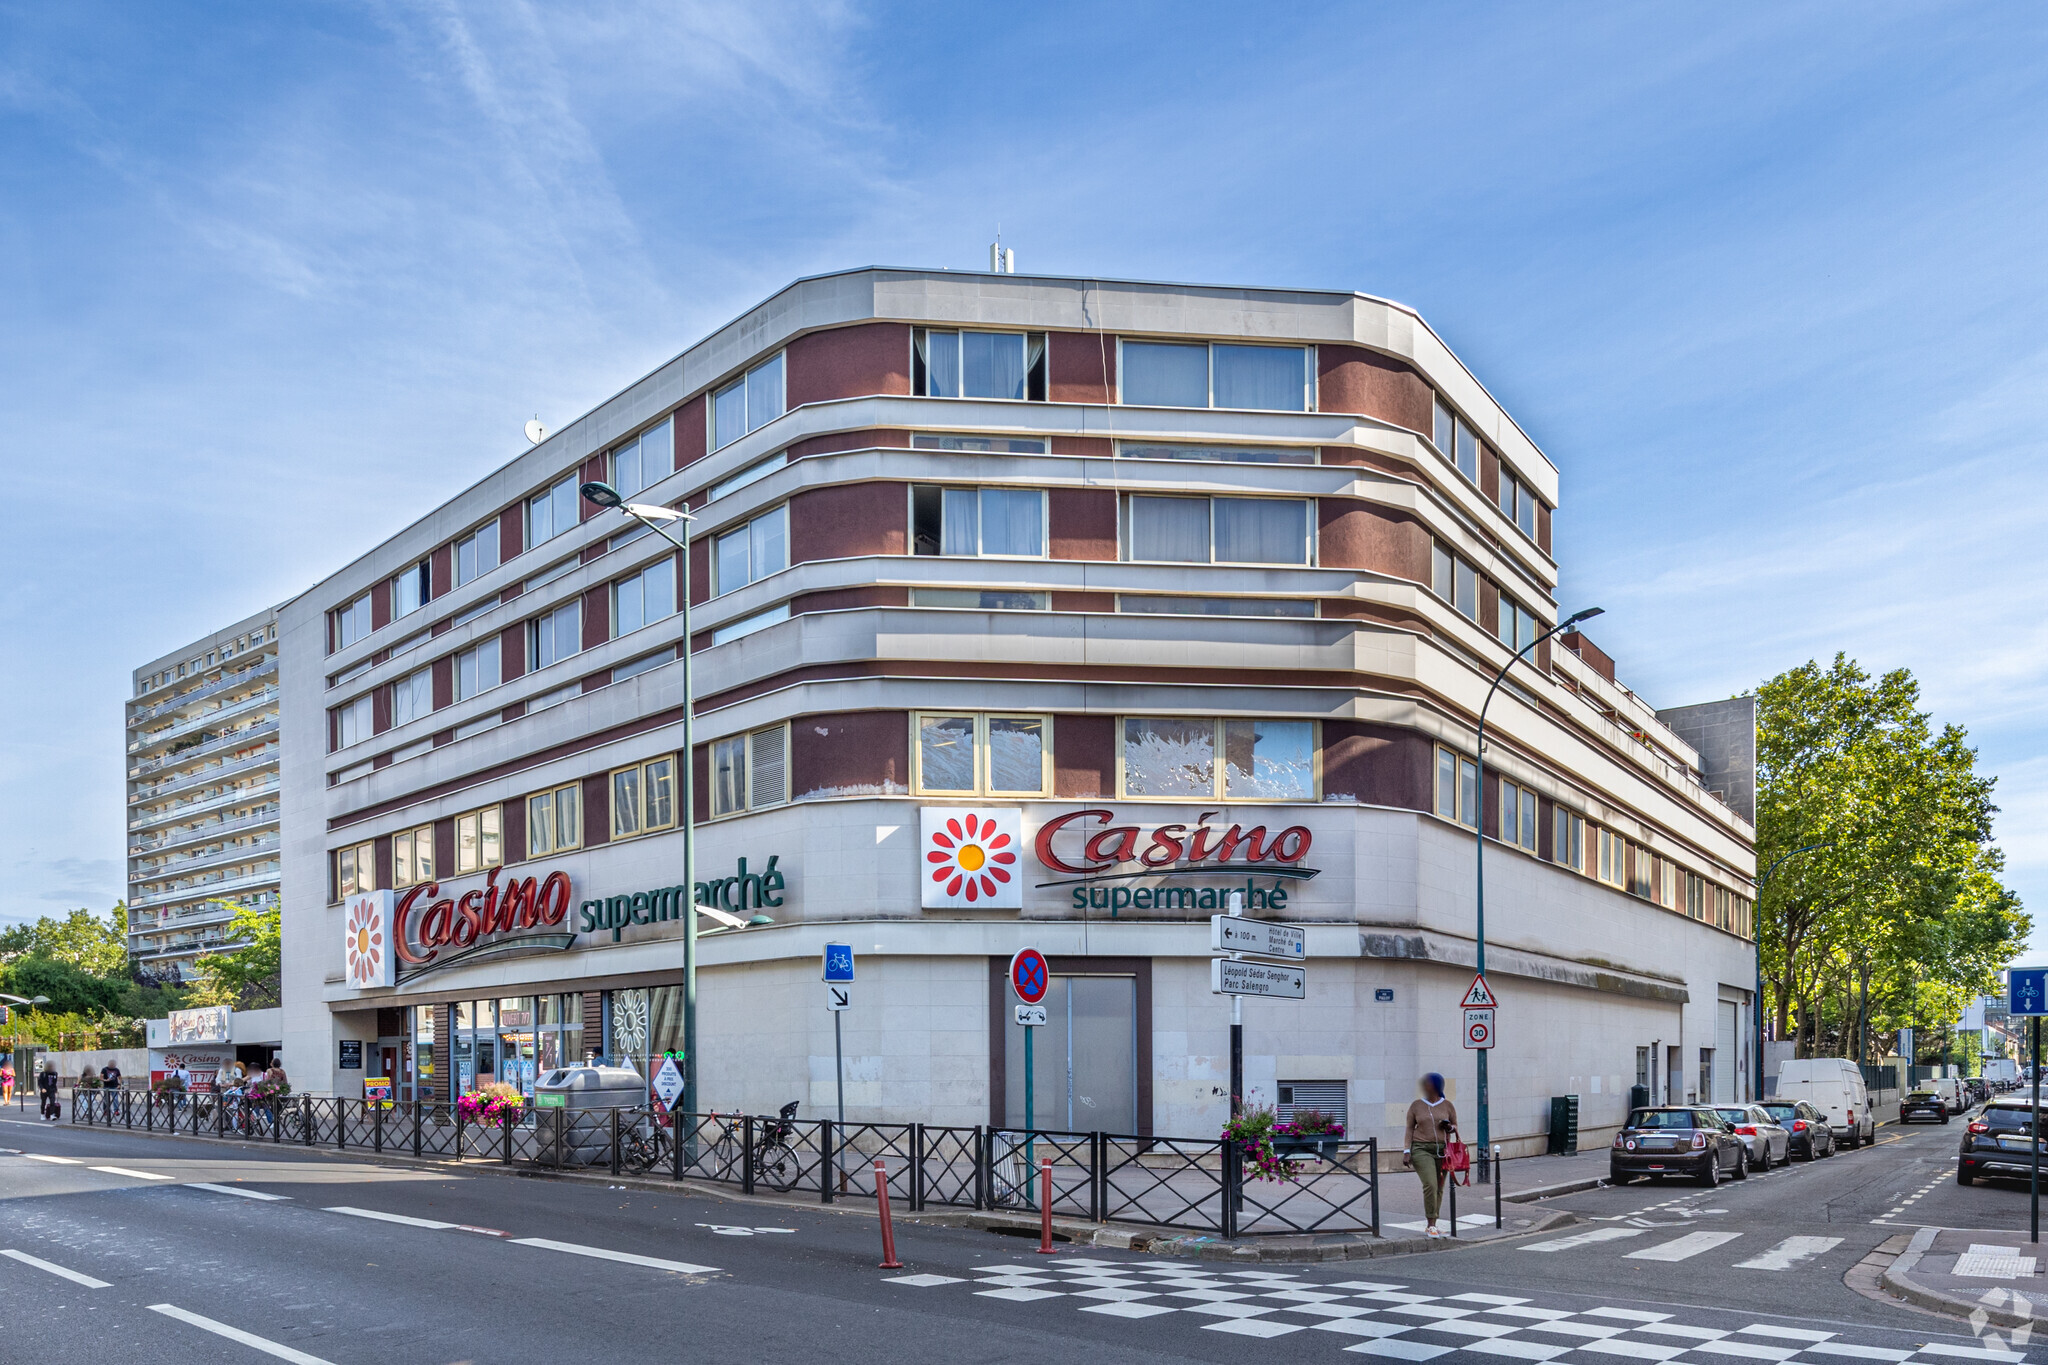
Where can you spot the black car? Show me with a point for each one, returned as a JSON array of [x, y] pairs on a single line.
[[1811, 1135], [1998, 1144], [1677, 1140], [1922, 1104]]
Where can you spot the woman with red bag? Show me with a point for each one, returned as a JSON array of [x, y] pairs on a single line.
[[1432, 1120]]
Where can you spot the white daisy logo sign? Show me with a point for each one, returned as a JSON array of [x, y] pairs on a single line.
[[971, 859], [367, 919]]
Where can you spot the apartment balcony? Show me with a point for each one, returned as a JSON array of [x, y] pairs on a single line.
[[190, 947], [225, 741], [186, 810], [240, 677], [157, 921], [214, 886], [255, 701], [202, 833], [195, 862], [205, 775]]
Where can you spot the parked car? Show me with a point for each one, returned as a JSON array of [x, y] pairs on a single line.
[[1952, 1093], [1996, 1144], [1766, 1143], [1833, 1085], [1807, 1133], [1976, 1089], [1677, 1140], [1923, 1103]]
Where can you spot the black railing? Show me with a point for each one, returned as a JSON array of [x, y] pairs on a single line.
[[1165, 1182]]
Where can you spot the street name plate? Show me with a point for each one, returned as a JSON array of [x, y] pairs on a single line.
[[1236, 934], [1031, 1016], [1229, 976]]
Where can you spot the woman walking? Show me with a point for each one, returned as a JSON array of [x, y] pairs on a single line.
[[1431, 1121]]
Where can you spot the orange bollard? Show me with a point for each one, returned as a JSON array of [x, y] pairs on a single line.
[[1045, 1206], [889, 1261]]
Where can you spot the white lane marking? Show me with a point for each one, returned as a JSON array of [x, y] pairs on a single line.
[[655, 1263], [234, 1189], [88, 1281], [1579, 1239], [389, 1217], [1764, 1329], [1679, 1249], [249, 1339], [132, 1175], [53, 1160], [1789, 1253]]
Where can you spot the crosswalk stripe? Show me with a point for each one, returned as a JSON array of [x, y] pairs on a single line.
[[1683, 1248], [236, 1334], [1580, 1239], [53, 1160], [235, 1189], [389, 1217], [1789, 1253], [132, 1175]]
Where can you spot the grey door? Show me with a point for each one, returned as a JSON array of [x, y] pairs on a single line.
[[1085, 1058]]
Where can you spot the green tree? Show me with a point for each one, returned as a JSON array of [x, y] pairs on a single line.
[[251, 976], [89, 942]]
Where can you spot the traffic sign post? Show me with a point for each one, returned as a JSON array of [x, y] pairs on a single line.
[[1030, 980], [1031, 1016], [1480, 996], [838, 998], [1478, 1030], [838, 967], [2027, 998], [837, 973]]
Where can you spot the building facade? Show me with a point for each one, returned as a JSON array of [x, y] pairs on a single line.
[[1024, 612], [203, 794]]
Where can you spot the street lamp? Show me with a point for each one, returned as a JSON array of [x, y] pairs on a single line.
[[1479, 864], [652, 517]]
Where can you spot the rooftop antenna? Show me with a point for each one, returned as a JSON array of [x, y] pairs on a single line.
[[1001, 260], [535, 432]]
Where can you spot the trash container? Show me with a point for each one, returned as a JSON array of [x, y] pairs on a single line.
[[1638, 1097], [573, 1106], [1564, 1125]]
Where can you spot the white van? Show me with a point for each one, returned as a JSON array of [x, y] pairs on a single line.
[[1953, 1096], [1833, 1085]]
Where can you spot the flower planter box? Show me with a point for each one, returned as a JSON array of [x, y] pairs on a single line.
[[1322, 1148]]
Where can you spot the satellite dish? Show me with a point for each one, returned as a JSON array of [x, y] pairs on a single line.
[[535, 432]]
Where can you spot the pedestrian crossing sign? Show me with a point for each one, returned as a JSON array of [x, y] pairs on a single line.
[[1479, 997]]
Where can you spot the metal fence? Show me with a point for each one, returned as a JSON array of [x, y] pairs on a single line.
[[1187, 1183]]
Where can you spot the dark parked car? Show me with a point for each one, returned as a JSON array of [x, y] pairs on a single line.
[[1922, 1104], [1997, 1144], [1768, 1144], [1678, 1140], [1811, 1136], [1977, 1089]]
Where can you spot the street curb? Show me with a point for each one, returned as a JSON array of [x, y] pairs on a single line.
[[1552, 1191], [1897, 1278]]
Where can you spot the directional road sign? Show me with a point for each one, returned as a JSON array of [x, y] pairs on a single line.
[[838, 997], [1234, 976], [1479, 997], [2028, 988], [668, 1083], [1029, 976], [839, 963], [1236, 934], [1478, 1029], [1031, 1016]]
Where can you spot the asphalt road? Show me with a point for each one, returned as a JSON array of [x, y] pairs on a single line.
[[162, 1250]]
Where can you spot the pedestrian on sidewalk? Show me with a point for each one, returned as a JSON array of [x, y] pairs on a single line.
[[7, 1082], [1431, 1120], [47, 1087]]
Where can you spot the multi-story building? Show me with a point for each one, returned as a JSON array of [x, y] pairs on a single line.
[[1038, 612], [202, 794]]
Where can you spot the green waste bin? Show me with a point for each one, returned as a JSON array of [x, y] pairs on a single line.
[[1564, 1125]]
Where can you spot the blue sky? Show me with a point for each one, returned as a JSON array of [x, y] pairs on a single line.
[[1764, 281]]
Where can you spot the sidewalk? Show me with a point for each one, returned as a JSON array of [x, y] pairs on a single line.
[[2000, 1275]]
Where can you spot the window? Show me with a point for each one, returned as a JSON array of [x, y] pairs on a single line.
[[977, 521], [647, 459], [476, 670], [747, 625], [980, 599], [476, 554], [972, 754], [1518, 628], [978, 365], [554, 821], [1518, 816], [479, 840], [353, 722], [1224, 375], [412, 589], [550, 513], [1517, 503], [644, 797], [750, 772], [1454, 580], [1457, 787], [1215, 606], [753, 473], [351, 623], [644, 598], [1263, 760], [1148, 450], [999, 445], [555, 636], [355, 870], [1642, 865], [412, 856], [1456, 440], [750, 552], [1612, 864], [748, 403], [1695, 896], [1217, 530], [1568, 840], [412, 697]]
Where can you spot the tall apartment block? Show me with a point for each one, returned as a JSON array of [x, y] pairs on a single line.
[[202, 794]]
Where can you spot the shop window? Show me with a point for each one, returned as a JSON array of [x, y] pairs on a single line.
[[750, 772], [1167, 374], [646, 459], [555, 636], [1518, 629], [476, 670], [750, 552], [986, 445], [479, 840], [412, 856], [476, 554], [643, 598], [1261, 760], [1217, 530], [748, 403], [351, 623], [1457, 787], [551, 512], [412, 697], [1154, 450], [1454, 580], [644, 797], [355, 870], [554, 820], [977, 521], [978, 754], [1518, 816], [412, 589], [978, 364]]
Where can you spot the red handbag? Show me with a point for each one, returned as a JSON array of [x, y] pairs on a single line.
[[1457, 1160]]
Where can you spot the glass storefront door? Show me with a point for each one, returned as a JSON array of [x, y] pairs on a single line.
[[1085, 1058]]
